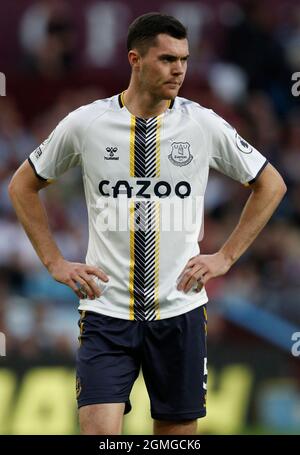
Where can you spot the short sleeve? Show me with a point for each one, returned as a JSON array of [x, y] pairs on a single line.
[[232, 155], [59, 152]]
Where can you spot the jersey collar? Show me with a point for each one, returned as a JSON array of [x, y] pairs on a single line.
[[122, 104]]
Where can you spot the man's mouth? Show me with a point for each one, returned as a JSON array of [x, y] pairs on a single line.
[[173, 83]]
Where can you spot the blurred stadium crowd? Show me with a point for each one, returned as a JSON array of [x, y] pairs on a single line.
[[241, 67]]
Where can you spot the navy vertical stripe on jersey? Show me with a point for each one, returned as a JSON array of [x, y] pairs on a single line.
[[143, 281], [145, 270], [145, 148]]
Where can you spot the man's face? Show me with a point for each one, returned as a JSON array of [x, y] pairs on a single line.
[[162, 69]]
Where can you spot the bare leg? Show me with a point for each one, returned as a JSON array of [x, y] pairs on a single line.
[[104, 418], [169, 427]]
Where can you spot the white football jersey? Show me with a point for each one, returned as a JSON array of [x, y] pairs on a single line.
[[144, 183]]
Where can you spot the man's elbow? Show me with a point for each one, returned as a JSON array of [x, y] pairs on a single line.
[[271, 182], [16, 188], [12, 188], [284, 188], [281, 187], [24, 182]]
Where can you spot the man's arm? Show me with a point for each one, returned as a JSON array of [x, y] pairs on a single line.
[[24, 190], [267, 192]]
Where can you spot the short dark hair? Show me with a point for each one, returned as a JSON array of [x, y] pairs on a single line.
[[144, 30]]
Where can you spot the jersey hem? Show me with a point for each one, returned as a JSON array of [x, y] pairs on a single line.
[[165, 315], [35, 171], [258, 173]]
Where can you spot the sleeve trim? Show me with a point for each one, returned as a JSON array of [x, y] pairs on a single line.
[[259, 172], [38, 176]]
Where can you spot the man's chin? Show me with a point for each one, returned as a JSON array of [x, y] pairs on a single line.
[[170, 94]]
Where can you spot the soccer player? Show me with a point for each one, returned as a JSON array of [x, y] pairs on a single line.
[[145, 156]]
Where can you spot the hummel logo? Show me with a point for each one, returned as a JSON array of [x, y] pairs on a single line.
[[111, 151]]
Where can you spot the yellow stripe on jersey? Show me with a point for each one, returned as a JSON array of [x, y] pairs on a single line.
[[132, 141], [131, 264], [157, 239]]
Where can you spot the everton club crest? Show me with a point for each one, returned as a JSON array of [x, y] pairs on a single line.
[[180, 154]]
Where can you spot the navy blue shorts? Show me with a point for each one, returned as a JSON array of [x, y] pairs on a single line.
[[171, 353]]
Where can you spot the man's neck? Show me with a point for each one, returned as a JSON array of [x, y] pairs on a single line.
[[142, 104]]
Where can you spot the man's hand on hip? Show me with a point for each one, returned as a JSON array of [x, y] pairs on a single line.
[[79, 277], [202, 268]]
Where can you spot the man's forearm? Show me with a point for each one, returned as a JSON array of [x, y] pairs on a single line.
[[255, 215], [32, 215]]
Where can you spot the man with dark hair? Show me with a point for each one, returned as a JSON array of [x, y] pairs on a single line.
[[144, 31], [145, 156]]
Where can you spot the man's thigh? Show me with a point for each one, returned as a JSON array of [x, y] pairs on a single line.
[[105, 419], [188, 427], [107, 362], [174, 366]]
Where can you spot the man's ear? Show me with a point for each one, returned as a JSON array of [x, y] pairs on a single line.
[[134, 58]]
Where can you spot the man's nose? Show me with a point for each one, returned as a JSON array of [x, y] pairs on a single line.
[[177, 68]]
